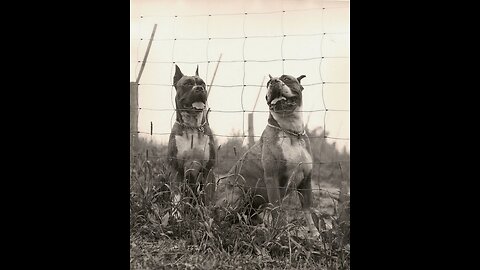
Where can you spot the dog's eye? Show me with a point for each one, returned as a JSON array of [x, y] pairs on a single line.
[[287, 79]]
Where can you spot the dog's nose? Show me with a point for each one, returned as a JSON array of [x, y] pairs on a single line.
[[198, 89], [276, 81]]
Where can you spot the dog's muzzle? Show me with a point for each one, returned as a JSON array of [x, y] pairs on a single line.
[[283, 104]]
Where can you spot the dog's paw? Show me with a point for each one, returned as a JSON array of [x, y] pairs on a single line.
[[314, 234], [176, 214]]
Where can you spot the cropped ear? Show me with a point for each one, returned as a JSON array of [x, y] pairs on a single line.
[[270, 76], [301, 77], [178, 75], [196, 72], [268, 82]]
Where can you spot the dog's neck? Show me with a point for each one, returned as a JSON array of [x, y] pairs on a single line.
[[193, 120], [291, 121]]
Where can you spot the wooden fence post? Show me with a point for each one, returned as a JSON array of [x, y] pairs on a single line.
[[251, 139], [133, 119]]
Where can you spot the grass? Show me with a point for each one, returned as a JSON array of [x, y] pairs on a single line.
[[198, 241]]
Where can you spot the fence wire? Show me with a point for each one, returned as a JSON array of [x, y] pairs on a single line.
[[322, 34]]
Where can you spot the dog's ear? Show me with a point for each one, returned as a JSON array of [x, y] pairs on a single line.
[[268, 83], [299, 79], [178, 75], [196, 72]]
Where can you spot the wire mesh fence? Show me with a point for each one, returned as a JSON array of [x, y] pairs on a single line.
[[243, 36]]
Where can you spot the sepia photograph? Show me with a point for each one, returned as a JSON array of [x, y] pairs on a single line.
[[239, 134]]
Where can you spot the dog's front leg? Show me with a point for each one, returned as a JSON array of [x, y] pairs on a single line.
[[175, 176], [175, 182], [271, 177], [208, 189], [305, 189]]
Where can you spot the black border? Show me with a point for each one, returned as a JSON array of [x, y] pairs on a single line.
[[408, 106], [68, 203]]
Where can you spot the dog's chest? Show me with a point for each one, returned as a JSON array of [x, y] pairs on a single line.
[[193, 145], [296, 155]]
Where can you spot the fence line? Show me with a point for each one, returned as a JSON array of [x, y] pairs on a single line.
[[245, 13], [244, 37], [333, 170], [237, 136], [322, 34], [244, 85], [237, 111], [239, 159], [246, 61]]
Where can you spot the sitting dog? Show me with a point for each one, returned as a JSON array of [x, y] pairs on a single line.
[[191, 147], [285, 155]]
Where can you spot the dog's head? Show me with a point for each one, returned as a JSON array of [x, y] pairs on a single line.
[[191, 92], [284, 93]]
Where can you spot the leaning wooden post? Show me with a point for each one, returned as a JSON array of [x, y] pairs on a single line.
[[134, 101], [214, 73], [146, 53]]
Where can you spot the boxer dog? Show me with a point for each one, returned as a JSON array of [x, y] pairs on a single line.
[[191, 147], [279, 162]]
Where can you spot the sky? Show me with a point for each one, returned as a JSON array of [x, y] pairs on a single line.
[[295, 35]]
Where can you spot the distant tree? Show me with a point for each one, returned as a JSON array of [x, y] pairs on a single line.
[[229, 152], [327, 154]]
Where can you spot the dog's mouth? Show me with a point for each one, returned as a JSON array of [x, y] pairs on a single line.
[[283, 104], [195, 107]]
